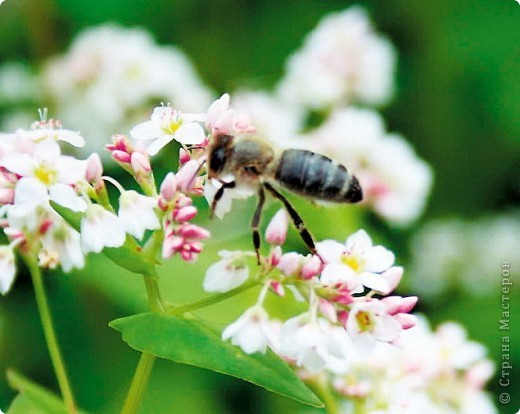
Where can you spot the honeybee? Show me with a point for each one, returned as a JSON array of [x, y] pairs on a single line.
[[256, 163]]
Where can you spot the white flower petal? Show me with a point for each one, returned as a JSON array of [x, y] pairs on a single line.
[[65, 196], [145, 130], [158, 144], [378, 259], [190, 134], [374, 281]]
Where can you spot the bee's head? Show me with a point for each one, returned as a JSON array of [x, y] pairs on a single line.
[[219, 154]]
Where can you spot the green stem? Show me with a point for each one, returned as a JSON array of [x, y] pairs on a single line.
[[50, 336], [321, 388], [154, 296], [210, 300], [139, 383]]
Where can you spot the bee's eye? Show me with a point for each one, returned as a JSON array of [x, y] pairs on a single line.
[[218, 159]]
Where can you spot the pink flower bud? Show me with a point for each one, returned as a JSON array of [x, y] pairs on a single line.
[[185, 214], [94, 168], [312, 267], [398, 304], [45, 226], [184, 156], [120, 156], [183, 201], [328, 310], [274, 256], [187, 174], [120, 142], [277, 288], [406, 320], [168, 187], [393, 277], [193, 231], [477, 375], [343, 296], [6, 196], [342, 318], [140, 163], [276, 231]]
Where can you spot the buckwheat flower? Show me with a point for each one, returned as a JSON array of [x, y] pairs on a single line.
[[47, 169], [343, 60], [222, 120], [51, 129], [99, 229], [395, 181], [167, 124], [357, 263], [276, 230], [184, 239], [62, 240], [369, 322], [111, 74], [136, 213], [252, 331], [228, 273], [7, 268], [310, 343]]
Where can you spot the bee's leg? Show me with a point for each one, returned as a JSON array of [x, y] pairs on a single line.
[[296, 219], [256, 221], [219, 194]]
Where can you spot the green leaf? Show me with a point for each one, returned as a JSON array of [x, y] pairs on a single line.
[[193, 343], [127, 256], [33, 398]]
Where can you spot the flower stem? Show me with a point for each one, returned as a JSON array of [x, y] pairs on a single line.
[[50, 336], [139, 383], [210, 300], [322, 389]]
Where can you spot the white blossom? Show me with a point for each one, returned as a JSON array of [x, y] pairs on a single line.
[[99, 229], [7, 268], [167, 124], [251, 332], [228, 273], [342, 61], [357, 263], [394, 180], [136, 213]]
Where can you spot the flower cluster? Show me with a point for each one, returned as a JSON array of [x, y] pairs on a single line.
[[113, 74], [342, 61], [395, 181], [345, 286], [439, 372], [463, 254], [36, 178]]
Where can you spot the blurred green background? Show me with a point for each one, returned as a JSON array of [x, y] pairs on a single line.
[[457, 103]]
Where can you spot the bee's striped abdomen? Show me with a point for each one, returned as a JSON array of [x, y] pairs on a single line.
[[314, 175]]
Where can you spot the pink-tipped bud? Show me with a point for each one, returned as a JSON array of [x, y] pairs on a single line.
[[290, 263], [168, 187], [45, 226], [184, 156], [312, 267], [121, 157], [276, 231], [275, 255], [406, 320], [328, 310], [94, 169], [398, 304], [478, 374], [140, 163], [187, 174], [224, 124], [343, 296], [277, 288], [182, 201], [393, 276], [6, 196], [342, 318], [120, 142], [193, 232], [184, 214]]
